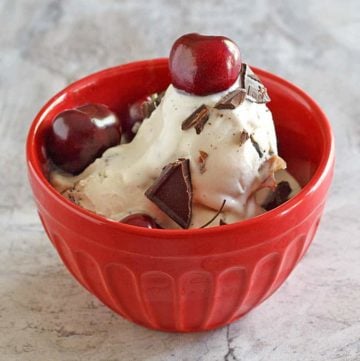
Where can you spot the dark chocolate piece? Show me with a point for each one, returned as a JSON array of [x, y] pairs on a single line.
[[256, 146], [222, 223], [202, 160], [158, 97], [197, 119], [255, 89], [150, 105], [172, 192], [242, 75], [244, 136], [147, 108], [279, 196], [216, 215], [232, 99]]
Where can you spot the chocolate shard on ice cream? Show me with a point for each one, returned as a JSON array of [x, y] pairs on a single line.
[[197, 119], [172, 192]]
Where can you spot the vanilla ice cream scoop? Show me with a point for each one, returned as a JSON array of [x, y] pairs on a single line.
[[231, 155]]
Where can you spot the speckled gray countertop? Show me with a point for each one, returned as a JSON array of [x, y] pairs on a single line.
[[44, 314]]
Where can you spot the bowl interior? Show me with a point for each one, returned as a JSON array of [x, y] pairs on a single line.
[[303, 137], [303, 134]]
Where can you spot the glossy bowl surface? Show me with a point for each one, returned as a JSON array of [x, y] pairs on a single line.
[[186, 280]]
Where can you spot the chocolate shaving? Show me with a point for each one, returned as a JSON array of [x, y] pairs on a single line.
[[279, 196], [150, 105], [197, 119], [255, 89], [158, 97], [202, 159], [215, 216], [147, 108], [256, 146], [222, 223], [172, 192], [244, 136], [232, 99], [242, 75]]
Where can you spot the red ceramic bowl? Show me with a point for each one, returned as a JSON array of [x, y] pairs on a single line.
[[186, 280]]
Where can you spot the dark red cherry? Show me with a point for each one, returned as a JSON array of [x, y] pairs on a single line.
[[140, 220], [202, 64], [137, 112], [78, 136]]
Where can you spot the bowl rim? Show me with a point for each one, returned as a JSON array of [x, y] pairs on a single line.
[[34, 164]]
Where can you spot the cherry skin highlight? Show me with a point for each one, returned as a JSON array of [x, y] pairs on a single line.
[[78, 136], [140, 220], [202, 65]]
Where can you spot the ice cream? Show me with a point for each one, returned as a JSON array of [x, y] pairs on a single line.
[[221, 146]]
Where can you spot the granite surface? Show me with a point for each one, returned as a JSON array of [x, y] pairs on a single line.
[[44, 314]]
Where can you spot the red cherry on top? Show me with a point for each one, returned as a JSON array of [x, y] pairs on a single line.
[[78, 136], [202, 65], [140, 220]]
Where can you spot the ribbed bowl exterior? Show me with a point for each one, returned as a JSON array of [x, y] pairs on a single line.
[[181, 293]]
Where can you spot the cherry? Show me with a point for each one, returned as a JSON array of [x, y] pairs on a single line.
[[140, 220], [137, 112], [78, 136], [201, 64]]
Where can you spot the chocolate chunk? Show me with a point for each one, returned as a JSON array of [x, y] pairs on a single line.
[[197, 119], [158, 97], [172, 192], [216, 215], [147, 108], [242, 75], [255, 89], [244, 136], [202, 160], [150, 105], [256, 146], [279, 196], [232, 99]]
